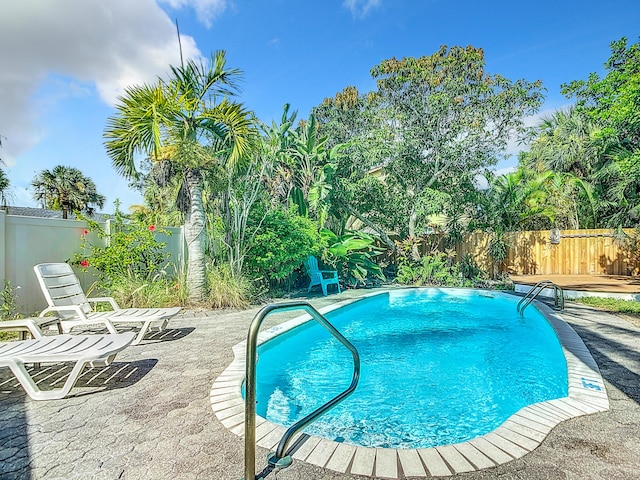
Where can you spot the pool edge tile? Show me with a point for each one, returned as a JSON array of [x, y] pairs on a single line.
[[455, 459], [434, 462], [474, 456], [410, 463], [363, 461], [386, 463], [342, 457]]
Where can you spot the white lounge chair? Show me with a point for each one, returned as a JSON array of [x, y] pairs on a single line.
[[31, 326], [66, 298], [320, 277], [81, 349]]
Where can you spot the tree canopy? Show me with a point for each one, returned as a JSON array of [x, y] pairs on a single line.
[[67, 189], [598, 141], [435, 123]]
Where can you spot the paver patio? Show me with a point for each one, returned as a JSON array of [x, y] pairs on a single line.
[[148, 415]]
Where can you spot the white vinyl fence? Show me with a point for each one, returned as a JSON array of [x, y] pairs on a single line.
[[27, 241]]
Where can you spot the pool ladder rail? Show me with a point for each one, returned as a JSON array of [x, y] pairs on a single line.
[[281, 458], [558, 295]]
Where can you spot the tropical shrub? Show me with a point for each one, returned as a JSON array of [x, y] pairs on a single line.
[[282, 241], [132, 251], [470, 269], [352, 255], [433, 269]]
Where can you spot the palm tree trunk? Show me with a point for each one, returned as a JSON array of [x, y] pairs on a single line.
[[195, 236]]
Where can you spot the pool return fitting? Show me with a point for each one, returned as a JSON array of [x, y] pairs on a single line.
[[281, 458]]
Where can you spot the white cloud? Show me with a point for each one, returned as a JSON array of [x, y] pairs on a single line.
[[206, 10], [108, 45], [360, 8]]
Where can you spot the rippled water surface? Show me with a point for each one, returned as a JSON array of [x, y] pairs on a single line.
[[438, 366]]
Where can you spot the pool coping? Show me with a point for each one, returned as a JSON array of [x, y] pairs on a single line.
[[520, 434]]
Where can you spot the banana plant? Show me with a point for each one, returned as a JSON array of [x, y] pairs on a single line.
[[352, 255]]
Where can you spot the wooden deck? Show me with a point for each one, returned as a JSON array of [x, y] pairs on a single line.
[[592, 283]]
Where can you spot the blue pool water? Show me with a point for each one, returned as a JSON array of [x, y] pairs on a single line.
[[438, 366]]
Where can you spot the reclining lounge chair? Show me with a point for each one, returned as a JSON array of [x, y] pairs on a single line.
[[81, 349], [67, 300]]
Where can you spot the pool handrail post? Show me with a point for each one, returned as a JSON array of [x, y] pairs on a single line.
[[250, 386], [531, 295]]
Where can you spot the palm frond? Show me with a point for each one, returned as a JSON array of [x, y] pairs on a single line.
[[143, 115]]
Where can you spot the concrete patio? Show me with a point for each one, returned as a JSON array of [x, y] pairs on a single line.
[[148, 415]]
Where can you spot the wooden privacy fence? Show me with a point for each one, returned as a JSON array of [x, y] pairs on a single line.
[[579, 252]]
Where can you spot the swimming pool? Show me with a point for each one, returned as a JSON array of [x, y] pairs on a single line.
[[439, 366], [520, 434]]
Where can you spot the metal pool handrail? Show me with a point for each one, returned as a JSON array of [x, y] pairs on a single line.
[[558, 295], [280, 457]]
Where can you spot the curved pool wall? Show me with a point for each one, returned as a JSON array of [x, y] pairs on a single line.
[[517, 436]]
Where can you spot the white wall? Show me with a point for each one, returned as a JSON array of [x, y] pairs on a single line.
[[27, 241]]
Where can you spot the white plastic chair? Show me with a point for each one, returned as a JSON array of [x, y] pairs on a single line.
[[81, 349], [66, 298], [320, 277], [31, 326]]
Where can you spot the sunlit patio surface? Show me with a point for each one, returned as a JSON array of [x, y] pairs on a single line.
[[149, 415]]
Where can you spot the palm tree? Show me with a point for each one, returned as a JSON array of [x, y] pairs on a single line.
[[517, 199], [5, 188], [67, 189], [188, 120], [620, 176], [564, 144]]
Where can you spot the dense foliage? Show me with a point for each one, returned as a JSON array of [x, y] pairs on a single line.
[[593, 148], [432, 126], [132, 250], [381, 181], [282, 242], [131, 262]]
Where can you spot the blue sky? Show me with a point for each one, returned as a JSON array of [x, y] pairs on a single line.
[[64, 62]]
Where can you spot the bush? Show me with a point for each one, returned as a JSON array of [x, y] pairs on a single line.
[[282, 241], [352, 255], [132, 252], [132, 266], [430, 270], [470, 269]]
